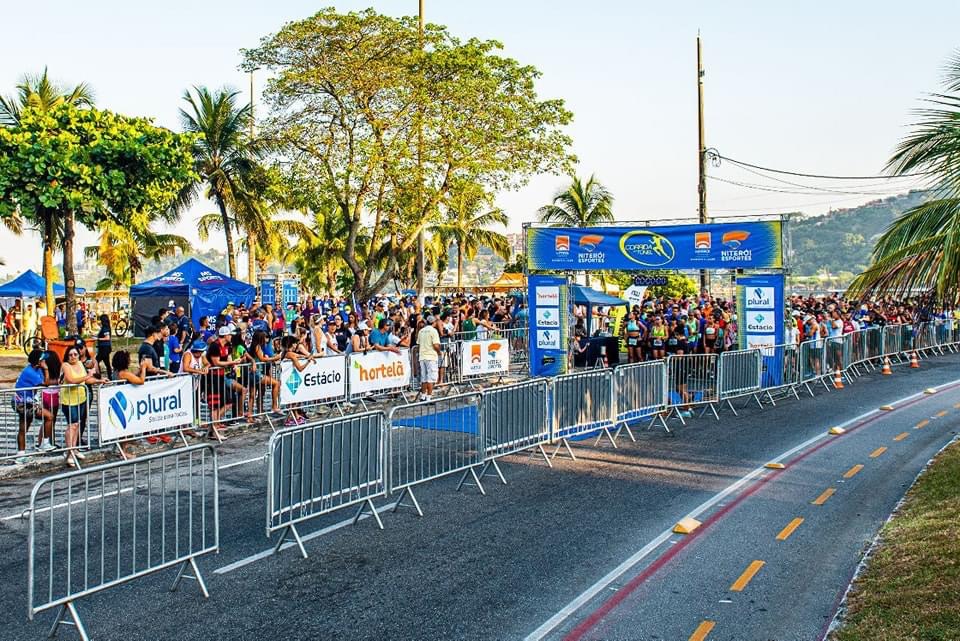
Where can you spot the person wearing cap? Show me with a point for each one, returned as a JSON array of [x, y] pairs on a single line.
[[222, 390], [429, 349], [360, 340], [26, 403]]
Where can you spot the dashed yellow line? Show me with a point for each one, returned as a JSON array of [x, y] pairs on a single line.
[[877, 452], [942, 414], [747, 575], [852, 471], [702, 631], [787, 531], [922, 424], [820, 500], [901, 436]]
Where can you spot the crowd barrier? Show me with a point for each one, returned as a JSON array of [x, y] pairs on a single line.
[[641, 394], [318, 468], [515, 418], [582, 404], [91, 530], [280, 393]]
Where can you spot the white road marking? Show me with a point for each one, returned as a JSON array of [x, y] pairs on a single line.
[[645, 551], [289, 544]]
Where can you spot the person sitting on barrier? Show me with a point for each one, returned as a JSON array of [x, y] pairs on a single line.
[[73, 401], [290, 353], [428, 341], [26, 403]]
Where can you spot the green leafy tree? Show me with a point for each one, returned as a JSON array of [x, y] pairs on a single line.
[[349, 97], [88, 166], [677, 285], [225, 159], [468, 213], [920, 250], [40, 92]]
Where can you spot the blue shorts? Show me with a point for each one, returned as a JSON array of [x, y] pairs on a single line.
[[75, 413]]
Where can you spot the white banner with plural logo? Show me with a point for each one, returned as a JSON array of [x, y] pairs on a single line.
[[484, 357], [159, 405], [378, 371], [320, 380]]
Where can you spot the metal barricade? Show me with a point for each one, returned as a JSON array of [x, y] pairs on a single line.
[[582, 403], [813, 364], [316, 468], [94, 529], [432, 439], [874, 344], [41, 409], [515, 418], [740, 373], [641, 394], [837, 353], [692, 380], [780, 370], [892, 341]]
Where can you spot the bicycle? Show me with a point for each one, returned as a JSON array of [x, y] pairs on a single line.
[[119, 325]]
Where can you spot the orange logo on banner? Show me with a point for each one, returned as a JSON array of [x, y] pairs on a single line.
[[590, 242], [562, 244], [475, 354], [701, 240], [734, 238]]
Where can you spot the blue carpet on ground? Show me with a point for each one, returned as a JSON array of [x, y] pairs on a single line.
[[460, 419]]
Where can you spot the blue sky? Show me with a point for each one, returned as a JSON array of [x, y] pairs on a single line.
[[823, 87]]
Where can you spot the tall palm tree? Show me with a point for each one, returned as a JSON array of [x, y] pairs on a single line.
[[41, 93], [224, 157], [579, 205], [465, 224], [920, 250], [121, 250]]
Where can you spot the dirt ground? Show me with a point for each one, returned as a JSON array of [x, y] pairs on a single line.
[[11, 364]]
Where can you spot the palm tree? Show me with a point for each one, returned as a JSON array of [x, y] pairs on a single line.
[[41, 93], [121, 251], [224, 158], [319, 254], [579, 205], [465, 225], [920, 250]]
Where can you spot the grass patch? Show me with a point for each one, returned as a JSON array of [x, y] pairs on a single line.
[[910, 589]]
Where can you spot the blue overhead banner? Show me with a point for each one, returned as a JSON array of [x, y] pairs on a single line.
[[549, 314], [747, 245]]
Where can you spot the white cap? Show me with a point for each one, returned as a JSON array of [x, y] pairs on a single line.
[[362, 325], [224, 331]]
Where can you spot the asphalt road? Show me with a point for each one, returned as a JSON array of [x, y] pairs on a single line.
[[577, 551]]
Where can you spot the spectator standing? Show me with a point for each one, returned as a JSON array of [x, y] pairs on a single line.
[[428, 340], [105, 344]]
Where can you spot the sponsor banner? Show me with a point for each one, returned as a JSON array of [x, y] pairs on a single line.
[[377, 371], [484, 357], [550, 322], [158, 405], [760, 309], [320, 380], [759, 297], [746, 245], [548, 317], [763, 342], [759, 322], [634, 295]]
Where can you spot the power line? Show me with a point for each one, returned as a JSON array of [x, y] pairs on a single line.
[[810, 192], [824, 189], [714, 154]]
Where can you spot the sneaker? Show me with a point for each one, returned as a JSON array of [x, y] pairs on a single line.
[[301, 420], [46, 446], [349, 404], [152, 440], [80, 455], [166, 438], [21, 457], [290, 422], [686, 414]]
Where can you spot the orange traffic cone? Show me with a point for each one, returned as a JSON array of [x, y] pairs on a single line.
[[886, 371], [837, 379], [914, 361]]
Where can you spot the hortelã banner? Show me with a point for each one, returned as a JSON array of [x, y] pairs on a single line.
[[479, 358], [159, 405], [378, 371], [747, 245], [321, 379]]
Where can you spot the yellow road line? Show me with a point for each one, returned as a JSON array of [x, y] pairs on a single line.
[[702, 631], [877, 452], [901, 436], [827, 493], [787, 531], [748, 574], [922, 424], [852, 471], [942, 414]]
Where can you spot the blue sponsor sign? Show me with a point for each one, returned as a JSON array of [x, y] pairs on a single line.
[[549, 304], [747, 245], [760, 321]]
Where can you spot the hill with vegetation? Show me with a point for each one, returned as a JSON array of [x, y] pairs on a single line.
[[840, 241]]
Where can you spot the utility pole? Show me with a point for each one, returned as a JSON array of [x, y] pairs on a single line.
[[701, 153], [421, 271]]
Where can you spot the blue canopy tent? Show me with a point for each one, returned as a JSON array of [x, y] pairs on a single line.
[[30, 284], [592, 298], [201, 290]]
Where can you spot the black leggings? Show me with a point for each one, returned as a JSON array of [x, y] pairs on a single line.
[[103, 356]]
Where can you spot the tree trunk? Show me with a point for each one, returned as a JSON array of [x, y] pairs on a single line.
[[331, 279], [228, 235], [48, 238], [68, 276], [459, 267], [252, 257]]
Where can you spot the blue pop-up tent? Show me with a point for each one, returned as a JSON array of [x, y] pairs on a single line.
[[30, 284], [201, 290]]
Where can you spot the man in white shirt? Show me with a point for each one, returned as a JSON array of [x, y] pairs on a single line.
[[428, 344]]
